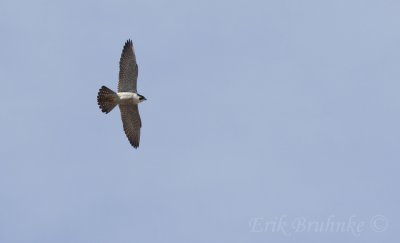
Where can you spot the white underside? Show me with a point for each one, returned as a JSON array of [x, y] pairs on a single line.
[[128, 98]]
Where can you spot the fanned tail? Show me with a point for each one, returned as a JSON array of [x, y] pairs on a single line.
[[106, 99]]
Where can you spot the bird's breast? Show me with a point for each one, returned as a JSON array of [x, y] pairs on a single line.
[[128, 98]]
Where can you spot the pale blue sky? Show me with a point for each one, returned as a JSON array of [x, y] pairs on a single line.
[[256, 109]]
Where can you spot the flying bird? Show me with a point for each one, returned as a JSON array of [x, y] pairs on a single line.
[[127, 97]]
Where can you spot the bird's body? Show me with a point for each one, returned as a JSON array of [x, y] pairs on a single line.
[[127, 97]]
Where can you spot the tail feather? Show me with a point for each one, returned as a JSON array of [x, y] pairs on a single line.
[[106, 99]]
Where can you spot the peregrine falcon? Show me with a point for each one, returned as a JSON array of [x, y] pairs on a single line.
[[127, 97]]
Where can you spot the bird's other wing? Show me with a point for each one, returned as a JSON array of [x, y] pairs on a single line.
[[128, 69], [132, 123]]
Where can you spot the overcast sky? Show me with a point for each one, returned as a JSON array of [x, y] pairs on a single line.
[[263, 119]]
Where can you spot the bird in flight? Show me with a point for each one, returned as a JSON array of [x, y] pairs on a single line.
[[127, 97]]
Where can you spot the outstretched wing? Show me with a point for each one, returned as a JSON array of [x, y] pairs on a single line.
[[132, 123], [128, 69]]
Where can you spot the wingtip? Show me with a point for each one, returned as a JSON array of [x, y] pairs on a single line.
[[135, 146], [128, 42]]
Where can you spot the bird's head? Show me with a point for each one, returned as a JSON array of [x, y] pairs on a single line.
[[141, 98]]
